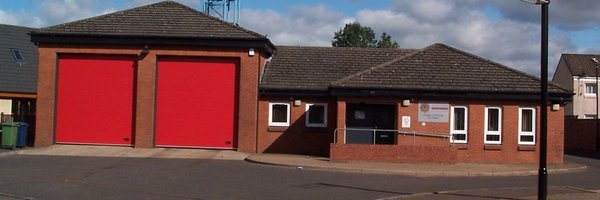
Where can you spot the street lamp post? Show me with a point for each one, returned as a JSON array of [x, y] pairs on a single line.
[[543, 171]]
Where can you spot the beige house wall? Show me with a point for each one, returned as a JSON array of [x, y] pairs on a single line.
[[6, 106], [583, 104]]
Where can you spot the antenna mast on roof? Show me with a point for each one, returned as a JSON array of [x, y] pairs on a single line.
[[226, 10]]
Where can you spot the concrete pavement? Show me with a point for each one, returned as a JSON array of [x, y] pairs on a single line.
[[129, 152], [301, 161], [459, 169]]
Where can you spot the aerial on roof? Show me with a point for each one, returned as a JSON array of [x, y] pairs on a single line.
[[580, 64], [163, 20], [18, 60], [437, 68]]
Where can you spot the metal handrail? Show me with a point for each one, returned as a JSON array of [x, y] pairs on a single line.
[[414, 133], [431, 134]]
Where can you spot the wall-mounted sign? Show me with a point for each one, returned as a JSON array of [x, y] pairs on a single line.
[[405, 121], [433, 112]]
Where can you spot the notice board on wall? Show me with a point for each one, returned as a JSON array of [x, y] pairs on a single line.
[[433, 111]]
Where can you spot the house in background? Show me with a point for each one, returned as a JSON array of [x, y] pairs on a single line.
[[578, 73], [181, 78], [18, 74]]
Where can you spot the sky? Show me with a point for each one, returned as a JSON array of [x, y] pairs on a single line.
[[504, 31]]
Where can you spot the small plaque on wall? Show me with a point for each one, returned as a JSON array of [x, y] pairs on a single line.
[[405, 121]]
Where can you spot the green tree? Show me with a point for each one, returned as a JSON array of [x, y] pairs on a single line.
[[354, 35], [386, 42]]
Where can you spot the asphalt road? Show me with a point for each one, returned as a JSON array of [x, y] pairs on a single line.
[[61, 177]]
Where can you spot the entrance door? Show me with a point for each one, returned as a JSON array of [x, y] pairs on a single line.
[[196, 102], [370, 122], [95, 99]]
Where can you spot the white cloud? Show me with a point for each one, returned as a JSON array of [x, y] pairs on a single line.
[[20, 19], [509, 42], [564, 14], [303, 25], [417, 24], [61, 11]]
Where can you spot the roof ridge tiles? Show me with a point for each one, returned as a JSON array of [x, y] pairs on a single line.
[[50, 29], [501, 66], [95, 17], [219, 20], [382, 65], [579, 64], [17, 26]]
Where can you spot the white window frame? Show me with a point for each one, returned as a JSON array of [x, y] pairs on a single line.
[[324, 124], [586, 89], [485, 127], [466, 122], [271, 123], [533, 124]]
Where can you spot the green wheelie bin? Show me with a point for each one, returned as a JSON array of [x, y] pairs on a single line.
[[9, 135]]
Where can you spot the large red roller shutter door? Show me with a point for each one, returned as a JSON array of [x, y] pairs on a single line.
[[95, 99], [196, 102]]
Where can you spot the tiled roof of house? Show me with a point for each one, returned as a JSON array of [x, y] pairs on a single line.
[[17, 76], [581, 64], [437, 68], [163, 20], [314, 68]]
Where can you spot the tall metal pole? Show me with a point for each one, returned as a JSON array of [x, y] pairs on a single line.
[[543, 172]]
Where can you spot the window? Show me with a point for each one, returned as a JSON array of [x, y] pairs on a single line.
[[17, 55], [590, 89], [279, 114], [527, 126], [493, 125], [316, 115], [458, 124]]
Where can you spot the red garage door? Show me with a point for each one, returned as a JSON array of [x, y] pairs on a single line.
[[95, 99], [196, 102]]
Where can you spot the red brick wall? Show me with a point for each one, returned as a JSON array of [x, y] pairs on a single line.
[[474, 151], [393, 153], [580, 135], [146, 81], [296, 138]]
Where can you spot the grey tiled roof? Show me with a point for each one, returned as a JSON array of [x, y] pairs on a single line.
[[581, 64], [163, 19], [314, 68], [443, 68], [17, 77], [437, 68]]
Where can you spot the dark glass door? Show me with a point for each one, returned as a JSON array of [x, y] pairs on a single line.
[[374, 117]]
